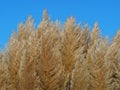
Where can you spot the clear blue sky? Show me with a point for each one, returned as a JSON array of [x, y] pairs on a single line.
[[105, 12]]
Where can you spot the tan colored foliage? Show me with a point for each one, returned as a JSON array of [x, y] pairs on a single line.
[[60, 57]]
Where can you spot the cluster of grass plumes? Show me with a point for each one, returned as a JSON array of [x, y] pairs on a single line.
[[56, 57]]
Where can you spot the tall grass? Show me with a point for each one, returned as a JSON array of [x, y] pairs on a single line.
[[60, 57]]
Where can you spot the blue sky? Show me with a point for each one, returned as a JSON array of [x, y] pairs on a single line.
[[105, 12]]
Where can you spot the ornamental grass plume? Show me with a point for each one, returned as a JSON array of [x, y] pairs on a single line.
[[112, 64], [60, 57], [2, 76]]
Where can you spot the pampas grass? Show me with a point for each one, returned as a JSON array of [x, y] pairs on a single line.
[[60, 57]]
